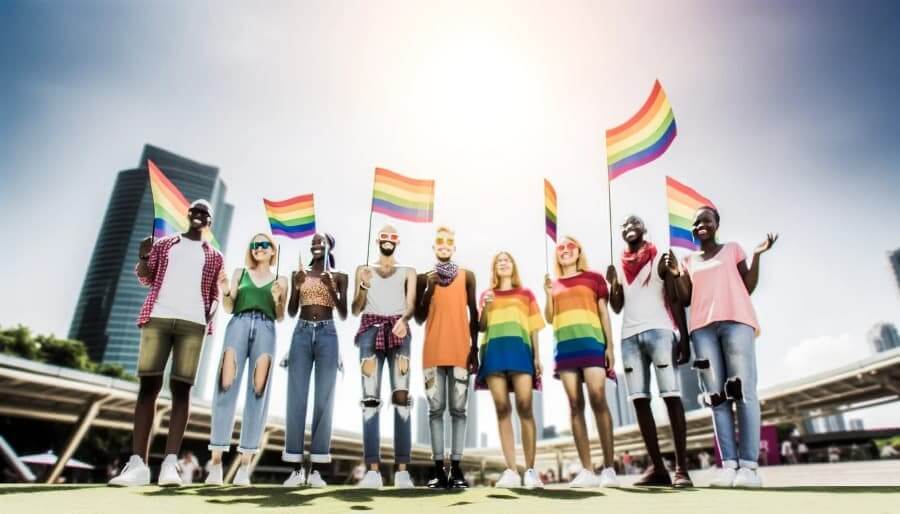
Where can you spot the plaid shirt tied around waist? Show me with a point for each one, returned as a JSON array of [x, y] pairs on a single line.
[[385, 332]]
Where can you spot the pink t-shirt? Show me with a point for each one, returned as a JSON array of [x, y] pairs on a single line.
[[719, 293]]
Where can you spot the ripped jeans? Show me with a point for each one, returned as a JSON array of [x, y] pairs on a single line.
[[249, 336], [371, 365], [443, 385], [726, 363], [314, 344]]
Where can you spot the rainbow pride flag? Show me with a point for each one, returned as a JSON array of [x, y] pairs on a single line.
[[293, 218], [683, 204], [644, 137], [402, 197], [170, 207], [550, 209]]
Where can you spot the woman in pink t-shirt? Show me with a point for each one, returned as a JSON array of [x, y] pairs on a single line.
[[717, 284]]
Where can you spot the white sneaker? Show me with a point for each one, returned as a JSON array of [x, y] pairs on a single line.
[[585, 478], [315, 480], [509, 480], [134, 473], [168, 472], [215, 475], [747, 478], [608, 478], [371, 480], [402, 480], [296, 479], [724, 477], [242, 477], [532, 480]]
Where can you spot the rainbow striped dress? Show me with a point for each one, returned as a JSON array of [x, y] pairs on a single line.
[[506, 344], [580, 342]]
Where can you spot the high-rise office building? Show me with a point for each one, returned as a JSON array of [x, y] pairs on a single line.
[[884, 337], [111, 296], [894, 257]]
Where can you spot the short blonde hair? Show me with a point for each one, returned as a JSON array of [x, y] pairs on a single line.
[[495, 277], [250, 262], [580, 265], [445, 228]]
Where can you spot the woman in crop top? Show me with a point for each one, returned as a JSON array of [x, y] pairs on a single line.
[[256, 301], [316, 292]]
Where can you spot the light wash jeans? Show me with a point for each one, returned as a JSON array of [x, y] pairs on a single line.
[[314, 343], [250, 336], [371, 401], [725, 359], [443, 385], [639, 352]]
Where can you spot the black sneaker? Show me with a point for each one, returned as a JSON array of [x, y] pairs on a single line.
[[438, 480], [457, 479], [654, 478]]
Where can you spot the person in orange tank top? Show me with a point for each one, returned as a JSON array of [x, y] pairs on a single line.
[[446, 304]]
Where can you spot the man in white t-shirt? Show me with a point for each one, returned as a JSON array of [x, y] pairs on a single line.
[[183, 273], [649, 337]]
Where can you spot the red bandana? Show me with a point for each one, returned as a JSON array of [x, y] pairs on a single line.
[[633, 262]]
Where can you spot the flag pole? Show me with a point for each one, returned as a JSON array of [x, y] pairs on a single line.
[[609, 204], [371, 211]]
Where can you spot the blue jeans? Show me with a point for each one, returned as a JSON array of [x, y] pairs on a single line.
[[726, 362], [447, 385], [249, 336], [639, 352], [313, 343], [397, 359]]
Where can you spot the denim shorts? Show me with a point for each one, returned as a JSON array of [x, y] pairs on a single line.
[[639, 352]]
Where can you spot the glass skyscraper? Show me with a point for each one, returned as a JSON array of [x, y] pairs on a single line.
[[111, 295]]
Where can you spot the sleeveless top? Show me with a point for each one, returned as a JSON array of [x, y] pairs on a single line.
[[645, 302], [447, 336], [253, 298], [314, 292], [387, 296]]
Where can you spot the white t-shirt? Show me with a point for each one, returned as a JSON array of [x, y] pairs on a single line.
[[645, 305], [180, 295]]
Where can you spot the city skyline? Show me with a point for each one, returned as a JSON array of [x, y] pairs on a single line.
[[780, 110]]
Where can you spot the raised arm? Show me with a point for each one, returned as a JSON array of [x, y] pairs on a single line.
[[340, 303], [680, 278], [682, 349], [297, 279], [549, 308], [751, 276], [279, 294], [410, 294], [424, 292], [229, 295], [363, 280]]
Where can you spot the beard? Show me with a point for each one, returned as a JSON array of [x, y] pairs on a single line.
[[444, 259], [387, 250]]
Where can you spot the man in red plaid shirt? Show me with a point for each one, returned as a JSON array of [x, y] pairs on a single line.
[[183, 273]]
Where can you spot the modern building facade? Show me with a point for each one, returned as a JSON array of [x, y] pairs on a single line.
[[111, 296], [884, 337]]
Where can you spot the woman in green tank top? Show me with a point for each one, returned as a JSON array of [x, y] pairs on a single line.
[[256, 303]]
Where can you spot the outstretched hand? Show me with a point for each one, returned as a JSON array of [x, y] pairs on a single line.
[[766, 245]]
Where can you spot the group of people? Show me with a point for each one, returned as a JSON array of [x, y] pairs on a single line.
[[651, 290]]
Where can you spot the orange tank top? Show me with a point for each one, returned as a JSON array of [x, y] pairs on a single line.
[[447, 338]]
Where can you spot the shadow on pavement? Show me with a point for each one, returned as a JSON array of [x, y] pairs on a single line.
[[23, 489]]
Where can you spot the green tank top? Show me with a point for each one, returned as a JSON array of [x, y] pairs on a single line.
[[253, 298]]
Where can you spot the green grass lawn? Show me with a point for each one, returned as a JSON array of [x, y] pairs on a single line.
[[271, 499]]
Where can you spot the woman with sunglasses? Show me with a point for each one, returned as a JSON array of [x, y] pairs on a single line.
[[717, 283], [256, 303], [576, 306], [510, 362], [316, 292]]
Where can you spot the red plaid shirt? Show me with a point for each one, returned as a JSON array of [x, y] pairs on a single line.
[[159, 261], [385, 333]]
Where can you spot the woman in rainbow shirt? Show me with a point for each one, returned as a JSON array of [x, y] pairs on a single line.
[[576, 306], [510, 361]]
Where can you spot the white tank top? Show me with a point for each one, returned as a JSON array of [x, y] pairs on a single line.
[[645, 306], [387, 296]]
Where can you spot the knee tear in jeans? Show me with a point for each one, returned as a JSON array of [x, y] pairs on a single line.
[[629, 369], [701, 364], [662, 366], [367, 365], [261, 374], [228, 370], [733, 389], [370, 405], [402, 403], [402, 362], [714, 399], [430, 375]]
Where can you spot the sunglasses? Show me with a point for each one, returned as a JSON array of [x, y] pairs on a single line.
[[389, 236], [566, 246], [265, 245], [443, 241]]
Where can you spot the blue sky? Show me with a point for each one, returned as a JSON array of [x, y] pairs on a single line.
[[787, 119]]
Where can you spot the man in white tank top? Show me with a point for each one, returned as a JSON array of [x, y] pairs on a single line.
[[385, 297], [648, 337]]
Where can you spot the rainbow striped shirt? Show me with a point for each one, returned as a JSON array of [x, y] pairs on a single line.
[[580, 342], [506, 345]]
